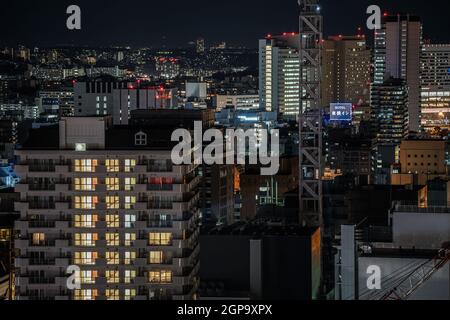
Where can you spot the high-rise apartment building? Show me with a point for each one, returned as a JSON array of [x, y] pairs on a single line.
[[279, 74], [346, 70], [109, 201], [397, 54], [435, 91]]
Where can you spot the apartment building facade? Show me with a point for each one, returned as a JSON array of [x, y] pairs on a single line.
[[109, 201]]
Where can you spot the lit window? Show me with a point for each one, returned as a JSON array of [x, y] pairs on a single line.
[[130, 202], [38, 239], [112, 294], [160, 276], [88, 294], [112, 165], [160, 239], [112, 276], [112, 184], [112, 258], [85, 221], [129, 239], [156, 257], [87, 203], [129, 275], [112, 221], [112, 239], [85, 239], [88, 277], [130, 220], [140, 139], [129, 165], [85, 258], [130, 183], [129, 258], [112, 202], [130, 294], [85, 165]]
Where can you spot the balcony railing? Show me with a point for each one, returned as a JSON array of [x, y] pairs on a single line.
[[159, 224], [41, 205], [160, 187], [42, 224]]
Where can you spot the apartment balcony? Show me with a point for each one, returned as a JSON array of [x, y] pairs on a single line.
[[41, 205], [21, 169], [37, 224], [43, 244], [42, 262], [160, 187], [140, 262], [187, 293], [159, 224], [21, 262], [41, 281]]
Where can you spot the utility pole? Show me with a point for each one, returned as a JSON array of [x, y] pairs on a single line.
[[310, 115]]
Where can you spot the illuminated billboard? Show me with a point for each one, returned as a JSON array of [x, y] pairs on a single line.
[[341, 111]]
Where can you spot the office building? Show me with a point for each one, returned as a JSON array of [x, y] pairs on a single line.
[[167, 68], [239, 102], [200, 45], [407, 252], [108, 200], [251, 266], [397, 54], [279, 75], [435, 90], [346, 70], [389, 111], [421, 160], [389, 125], [106, 96]]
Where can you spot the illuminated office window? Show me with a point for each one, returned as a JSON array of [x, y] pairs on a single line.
[[112, 276], [85, 239], [129, 165], [112, 221], [130, 294], [130, 183], [112, 239], [87, 203], [130, 201], [85, 165], [112, 184], [129, 257], [88, 276], [85, 184], [85, 258], [85, 220], [160, 276], [156, 257], [129, 276], [87, 294], [112, 294], [129, 239], [160, 239], [112, 165], [38, 239], [112, 258], [112, 202], [130, 220]]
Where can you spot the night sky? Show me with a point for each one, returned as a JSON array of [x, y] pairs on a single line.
[[174, 23]]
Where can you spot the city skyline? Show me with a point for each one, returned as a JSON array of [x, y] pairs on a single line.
[[236, 23]]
